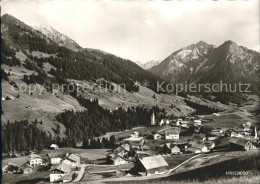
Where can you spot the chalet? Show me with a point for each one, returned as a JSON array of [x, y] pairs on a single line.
[[121, 151], [210, 144], [151, 165], [247, 124], [201, 147], [184, 124], [20, 167], [73, 160], [193, 150], [178, 122], [116, 159], [247, 128], [157, 136], [217, 131], [234, 133], [34, 160], [197, 122], [54, 146], [240, 144], [57, 172], [26, 169], [135, 135], [199, 137], [126, 147], [172, 134], [54, 158], [170, 148]]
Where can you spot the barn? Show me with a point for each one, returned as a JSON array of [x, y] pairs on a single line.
[[240, 144], [151, 165]]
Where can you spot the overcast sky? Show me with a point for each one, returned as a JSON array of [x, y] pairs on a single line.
[[144, 30]]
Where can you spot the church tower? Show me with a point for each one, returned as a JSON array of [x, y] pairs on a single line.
[[153, 119]]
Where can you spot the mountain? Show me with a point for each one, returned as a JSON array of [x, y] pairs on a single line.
[[30, 57], [204, 63], [182, 64], [57, 37], [150, 64]]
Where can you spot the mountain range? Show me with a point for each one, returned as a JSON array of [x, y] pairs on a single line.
[[203, 63], [42, 55]]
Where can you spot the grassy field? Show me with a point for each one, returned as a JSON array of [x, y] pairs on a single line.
[[31, 178], [230, 180]]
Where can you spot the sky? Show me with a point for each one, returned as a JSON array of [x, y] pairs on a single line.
[[144, 30]]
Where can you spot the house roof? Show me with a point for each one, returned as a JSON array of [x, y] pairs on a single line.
[[153, 162], [53, 155], [238, 141], [64, 167], [172, 146], [193, 150], [172, 131], [126, 147], [33, 156], [16, 162], [54, 145], [24, 166], [74, 157]]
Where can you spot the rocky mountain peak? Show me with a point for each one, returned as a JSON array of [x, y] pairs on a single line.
[[56, 36]]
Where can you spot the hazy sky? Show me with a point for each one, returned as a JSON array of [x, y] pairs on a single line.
[[144, 30]]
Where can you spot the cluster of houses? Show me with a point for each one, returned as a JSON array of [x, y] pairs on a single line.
[[62, 168], [168, 134], [61, 165]]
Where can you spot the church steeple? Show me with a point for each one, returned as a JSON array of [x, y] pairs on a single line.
[[153, 119]]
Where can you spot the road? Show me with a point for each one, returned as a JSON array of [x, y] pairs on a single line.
[[80, 174]]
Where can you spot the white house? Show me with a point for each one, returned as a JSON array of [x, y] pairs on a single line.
[[54, 146], [184, 124], [135, 135], [157, 136], [197, 122], [167, 122], [172, 134], [55, 161], [178, 122], [57, 172], [34, 160]]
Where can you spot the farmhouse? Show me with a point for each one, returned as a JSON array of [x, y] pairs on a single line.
[[171, 149], [135, 135], [240, 144], [157, 136], [20, 167], [184, 124], [34, 160], [193, 150], [172, 134], [197, 122], [57, 172], [151, 165], [178, 122], [73, 160], [126, 147], [54, 158], [54, 146], [116, 159]]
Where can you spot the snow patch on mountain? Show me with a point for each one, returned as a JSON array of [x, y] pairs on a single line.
[[57, 37]]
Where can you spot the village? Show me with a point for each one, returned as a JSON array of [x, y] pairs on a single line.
[[157, 150]]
